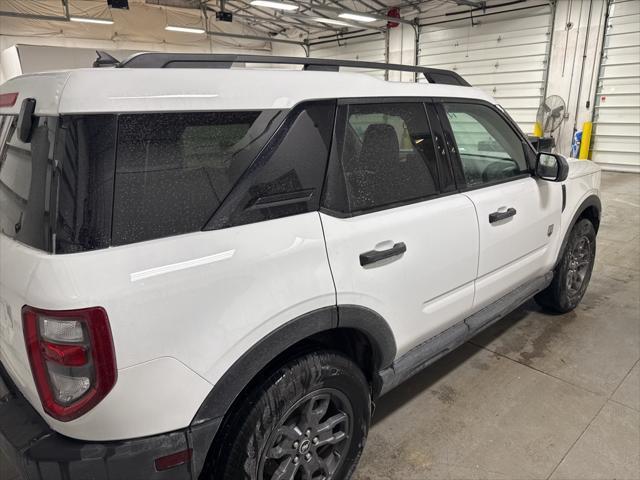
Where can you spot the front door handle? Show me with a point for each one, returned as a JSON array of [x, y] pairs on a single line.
[[373, 256], [497, 216]]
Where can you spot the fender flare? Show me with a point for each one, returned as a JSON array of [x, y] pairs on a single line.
[[208, 420], [244, 370], [591, 201]]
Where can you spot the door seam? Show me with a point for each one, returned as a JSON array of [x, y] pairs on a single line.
[[475, 279], [326, 251]]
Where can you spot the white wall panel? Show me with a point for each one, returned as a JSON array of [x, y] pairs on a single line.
[[616, 140], [371, 48], [506, 54]]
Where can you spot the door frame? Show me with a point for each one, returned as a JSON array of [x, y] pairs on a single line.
[[335, 173], [454, 157]]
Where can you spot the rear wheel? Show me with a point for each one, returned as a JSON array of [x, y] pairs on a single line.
[[307, 421], [573, 273]]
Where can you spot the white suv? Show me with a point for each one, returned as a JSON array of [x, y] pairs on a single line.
[[214, 272]]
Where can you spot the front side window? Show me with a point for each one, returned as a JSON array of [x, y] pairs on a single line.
[[387, 155], [174, 169], [489, 149]]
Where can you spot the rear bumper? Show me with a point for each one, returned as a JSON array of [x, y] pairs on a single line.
[[39, 453]]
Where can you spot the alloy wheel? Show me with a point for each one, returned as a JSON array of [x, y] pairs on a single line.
[[311, 441]]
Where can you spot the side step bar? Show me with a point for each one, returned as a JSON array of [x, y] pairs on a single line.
[[423, 355]]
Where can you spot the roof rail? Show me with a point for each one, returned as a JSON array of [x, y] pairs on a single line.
[[211, 60]]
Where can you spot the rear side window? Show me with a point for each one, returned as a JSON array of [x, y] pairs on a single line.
[[286, 179], [387, 155], [489, 149], [85, 150], [173, 170], [25, 183]]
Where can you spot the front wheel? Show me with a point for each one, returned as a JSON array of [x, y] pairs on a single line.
[[572, 275], [308, 420]]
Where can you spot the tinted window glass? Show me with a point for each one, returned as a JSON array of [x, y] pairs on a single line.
[[25, 180], [489, 149], [85, 152], [387, 155], [174, 169], [287, 178]]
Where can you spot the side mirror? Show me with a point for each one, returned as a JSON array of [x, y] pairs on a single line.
[[552, 167]]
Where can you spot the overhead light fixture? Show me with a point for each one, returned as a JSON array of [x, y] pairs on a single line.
[[357, 17], [332, 21], [100, 21], [274, 4], [173, 28]]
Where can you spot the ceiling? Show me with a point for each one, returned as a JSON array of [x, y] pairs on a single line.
[[305, 24]]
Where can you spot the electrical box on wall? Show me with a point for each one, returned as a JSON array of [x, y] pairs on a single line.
[[224, 16]]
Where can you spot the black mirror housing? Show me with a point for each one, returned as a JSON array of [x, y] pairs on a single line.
[[552, 167], [26, 120]]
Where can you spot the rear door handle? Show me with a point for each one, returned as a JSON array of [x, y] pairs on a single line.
[[497, 216], [373, 256]]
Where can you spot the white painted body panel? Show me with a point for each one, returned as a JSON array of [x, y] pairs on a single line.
[[139, 90], [583, 181], [196, 301], [422, 292], [512, 250]]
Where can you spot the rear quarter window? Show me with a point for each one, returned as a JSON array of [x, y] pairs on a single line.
[[173, 170]]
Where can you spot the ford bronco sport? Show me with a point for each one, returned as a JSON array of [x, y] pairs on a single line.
[[213, 272]]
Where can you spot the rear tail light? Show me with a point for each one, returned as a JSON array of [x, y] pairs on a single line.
[[72, 358], [8, 99]]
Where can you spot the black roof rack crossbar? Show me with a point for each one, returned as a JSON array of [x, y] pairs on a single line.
[[212, 60]]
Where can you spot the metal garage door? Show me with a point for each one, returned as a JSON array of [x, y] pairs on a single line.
[[369, 48], [616, 142], [505, 53]]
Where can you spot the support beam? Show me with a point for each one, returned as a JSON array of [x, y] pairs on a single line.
[[347, 23], [33, 16], [471, 3], [335, 10], [254, 37]]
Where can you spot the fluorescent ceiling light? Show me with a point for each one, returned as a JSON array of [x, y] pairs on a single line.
[[101, 21], [332, 21], [274, 4], [357, 17], [172, 28]]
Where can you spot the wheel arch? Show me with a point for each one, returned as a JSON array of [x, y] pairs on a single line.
[[356, 331], [591, 209]]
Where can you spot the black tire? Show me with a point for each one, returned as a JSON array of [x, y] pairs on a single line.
[[284, 423], [573, 272]]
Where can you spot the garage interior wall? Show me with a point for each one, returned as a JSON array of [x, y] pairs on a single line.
[[573, 70], [503, 51], [518, 51], [367, 47], [128, 33], [616, 141]]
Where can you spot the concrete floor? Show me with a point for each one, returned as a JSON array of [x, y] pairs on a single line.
[[536, 396]]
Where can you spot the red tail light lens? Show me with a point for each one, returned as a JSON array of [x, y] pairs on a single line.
[[8, 99], [72, 358]]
